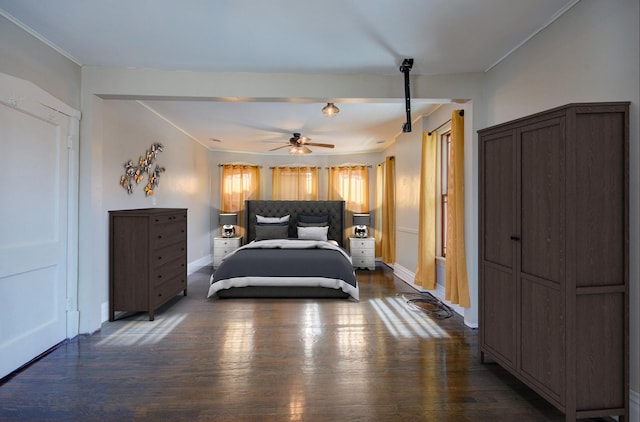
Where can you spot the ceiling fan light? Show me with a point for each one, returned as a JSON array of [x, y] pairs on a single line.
[[330, 110]]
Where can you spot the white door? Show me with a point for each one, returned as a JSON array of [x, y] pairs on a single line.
[[34, 226]]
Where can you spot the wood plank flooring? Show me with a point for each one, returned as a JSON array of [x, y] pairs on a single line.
[[274, 360]]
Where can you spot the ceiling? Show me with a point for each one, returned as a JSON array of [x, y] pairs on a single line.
[[287, 36]]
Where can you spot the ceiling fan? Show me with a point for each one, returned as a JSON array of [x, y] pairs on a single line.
[[298, 145]]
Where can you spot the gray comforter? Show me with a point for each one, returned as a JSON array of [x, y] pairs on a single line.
[[286, 262]]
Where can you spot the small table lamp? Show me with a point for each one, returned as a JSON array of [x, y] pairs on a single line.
[[361, 221], [228, 221]]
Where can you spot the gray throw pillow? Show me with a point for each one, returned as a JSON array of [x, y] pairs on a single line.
[[272, 231], [313, 218]]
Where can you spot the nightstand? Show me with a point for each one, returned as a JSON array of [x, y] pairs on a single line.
[[362, 252], [223, 246]]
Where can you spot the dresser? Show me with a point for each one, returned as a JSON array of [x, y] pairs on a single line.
[[362, 252], [223, 246], [554, 255], [147, 258]]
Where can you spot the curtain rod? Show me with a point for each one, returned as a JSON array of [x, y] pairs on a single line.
[[461, 113], [284, 166], [248, 165], [347, 166]]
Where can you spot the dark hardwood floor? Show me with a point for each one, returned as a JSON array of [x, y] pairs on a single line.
[[274, 360]]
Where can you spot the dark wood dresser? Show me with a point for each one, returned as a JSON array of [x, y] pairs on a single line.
[[147, 258], [554, 255]]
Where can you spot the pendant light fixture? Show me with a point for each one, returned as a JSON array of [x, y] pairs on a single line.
[[330, 110]]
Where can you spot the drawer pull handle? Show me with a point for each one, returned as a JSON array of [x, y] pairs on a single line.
[[159, 275], [159, 236], [515, 238], [159, 257], [159, 294]]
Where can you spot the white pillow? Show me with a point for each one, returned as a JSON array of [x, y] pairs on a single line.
[[313, 233], [269, 220]]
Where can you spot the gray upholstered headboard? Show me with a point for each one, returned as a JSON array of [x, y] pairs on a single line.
[[267, 208]]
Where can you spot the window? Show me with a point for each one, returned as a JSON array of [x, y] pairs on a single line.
[[445, 153], [239, 183], [294, 183], [350, 183]]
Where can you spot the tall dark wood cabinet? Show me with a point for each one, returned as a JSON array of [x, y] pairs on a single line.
[[554, 254], [147, 258]]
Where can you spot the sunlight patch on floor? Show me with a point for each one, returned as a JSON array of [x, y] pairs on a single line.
[[142, 332], [403, 322]]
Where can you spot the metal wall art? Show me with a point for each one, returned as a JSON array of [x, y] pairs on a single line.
[[144, 165]]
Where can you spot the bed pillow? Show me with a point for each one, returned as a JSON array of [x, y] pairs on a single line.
[[313, 218], [269, 220], [272, 231], [301, 224], [313, 233]]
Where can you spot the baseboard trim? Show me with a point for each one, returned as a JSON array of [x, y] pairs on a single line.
[[408, 276], [194, 266]]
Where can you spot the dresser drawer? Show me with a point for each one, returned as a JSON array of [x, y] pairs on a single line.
[[168, 289], [169, 218], [168, 254], [167, 271], [168, 234]]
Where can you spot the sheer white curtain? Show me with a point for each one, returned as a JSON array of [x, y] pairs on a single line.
[[294, 183]]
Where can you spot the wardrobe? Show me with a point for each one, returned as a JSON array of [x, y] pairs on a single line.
[[554, 255]]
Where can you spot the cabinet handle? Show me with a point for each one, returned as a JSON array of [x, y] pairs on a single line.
[[159, 236], [159, 275], [516, 238], [159, 257]]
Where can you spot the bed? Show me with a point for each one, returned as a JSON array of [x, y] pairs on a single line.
[[299, 256]]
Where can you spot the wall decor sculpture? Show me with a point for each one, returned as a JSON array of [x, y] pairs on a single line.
[[136, 173]]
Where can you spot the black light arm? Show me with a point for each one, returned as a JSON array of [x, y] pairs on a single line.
[[405, 68]]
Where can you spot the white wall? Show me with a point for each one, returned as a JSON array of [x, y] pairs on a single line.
[[590, 54], [129, 131], [25, 57]]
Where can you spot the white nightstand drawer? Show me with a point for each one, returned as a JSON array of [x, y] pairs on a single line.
[[364, 243], [363, 262], [222, 246]]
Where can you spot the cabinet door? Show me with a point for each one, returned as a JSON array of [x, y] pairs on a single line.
[[542, 253], [497, 249]]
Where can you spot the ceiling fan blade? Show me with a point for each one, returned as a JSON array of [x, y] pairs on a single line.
[[303, 139], [277, 148], [313, 144]]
